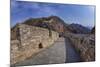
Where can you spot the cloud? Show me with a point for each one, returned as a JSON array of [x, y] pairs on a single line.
[[69, 13]]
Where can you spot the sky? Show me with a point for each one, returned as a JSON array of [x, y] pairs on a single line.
[[70, 13]]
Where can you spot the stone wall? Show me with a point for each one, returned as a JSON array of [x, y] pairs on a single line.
[[30, 40], [84, 44], [27, 41], [52, 55]]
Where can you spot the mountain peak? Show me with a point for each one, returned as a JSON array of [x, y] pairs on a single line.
[[77, 28]]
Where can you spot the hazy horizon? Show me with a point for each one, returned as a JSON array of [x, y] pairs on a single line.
[[78, 14]]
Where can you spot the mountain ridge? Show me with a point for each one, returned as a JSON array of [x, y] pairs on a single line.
[[55, 23]]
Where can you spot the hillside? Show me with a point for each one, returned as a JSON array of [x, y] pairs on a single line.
[[77, 28], [52, 22], [57, 24], [93, 30]]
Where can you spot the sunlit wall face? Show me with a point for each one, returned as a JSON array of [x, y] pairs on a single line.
[[80, 14]]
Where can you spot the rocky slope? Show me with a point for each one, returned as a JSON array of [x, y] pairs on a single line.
[[93, 30], [57, 24], [52, 22], [78, 29]]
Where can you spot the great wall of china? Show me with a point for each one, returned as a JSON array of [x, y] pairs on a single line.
[[29, 41]]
